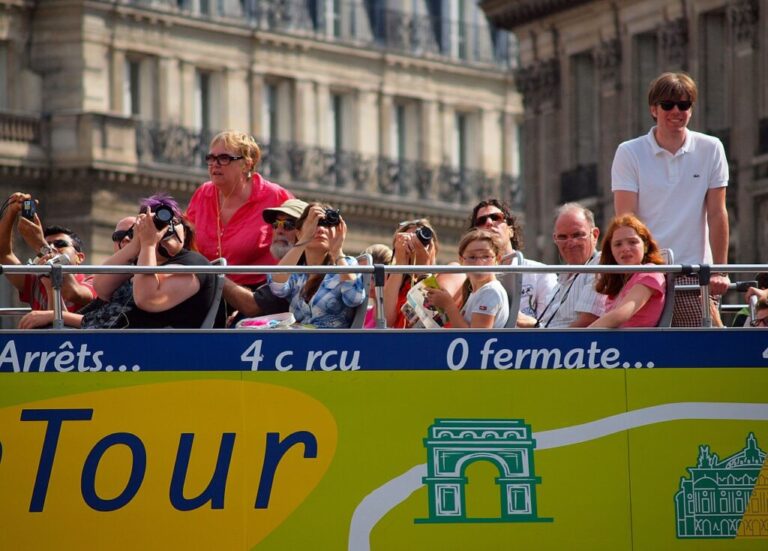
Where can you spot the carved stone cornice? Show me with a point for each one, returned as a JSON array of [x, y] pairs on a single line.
[[508, 14], [539, 83], [673, 39], [607, 57], [743, 17]]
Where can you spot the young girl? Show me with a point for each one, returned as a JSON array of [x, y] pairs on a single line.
[[322, 300], [487, 304], [634, 300]]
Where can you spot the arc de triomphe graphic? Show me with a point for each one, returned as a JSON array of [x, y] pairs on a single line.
[[453, 444]]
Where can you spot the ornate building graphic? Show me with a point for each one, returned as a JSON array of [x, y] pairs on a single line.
[[717, 501], [453, 444]]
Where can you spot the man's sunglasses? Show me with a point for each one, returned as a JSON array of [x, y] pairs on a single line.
[[682, 105], [61, 244], [119, 235], [494, 217], [223, 160], [287, 225]]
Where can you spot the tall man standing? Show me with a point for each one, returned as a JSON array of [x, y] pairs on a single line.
[[675, 180]]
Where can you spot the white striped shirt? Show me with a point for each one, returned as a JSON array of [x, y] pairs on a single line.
[[574, 294]]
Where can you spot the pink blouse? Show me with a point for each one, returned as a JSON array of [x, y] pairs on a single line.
[[649, 314], [246, 238]]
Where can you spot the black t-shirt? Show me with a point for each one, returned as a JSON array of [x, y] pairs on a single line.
[[190, 313], [268, 303]]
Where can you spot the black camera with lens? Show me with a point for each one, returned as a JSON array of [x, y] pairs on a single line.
[[425, 235], [331, 218], [28, 209], [163, 216]]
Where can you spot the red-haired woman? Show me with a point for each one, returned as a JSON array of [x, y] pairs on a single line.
[[634, 299]]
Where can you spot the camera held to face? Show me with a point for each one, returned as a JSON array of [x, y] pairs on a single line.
[[425, 235], [331, 218], [163, 216], [28, 209]]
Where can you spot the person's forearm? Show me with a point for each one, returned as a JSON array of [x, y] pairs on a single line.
[[291, 258], [454, 316], [75, 292], [719, 236], [391, 291], [241, 298]]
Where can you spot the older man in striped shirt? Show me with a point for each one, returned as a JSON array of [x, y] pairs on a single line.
[[574, 302]]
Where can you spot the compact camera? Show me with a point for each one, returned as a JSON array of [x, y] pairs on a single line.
[[331, 218], [425, 235], [163, 216], [28, 209]]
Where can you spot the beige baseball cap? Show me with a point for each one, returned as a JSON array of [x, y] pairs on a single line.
[[292, 208]]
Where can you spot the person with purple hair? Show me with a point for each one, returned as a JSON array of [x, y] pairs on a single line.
[[179, 300]]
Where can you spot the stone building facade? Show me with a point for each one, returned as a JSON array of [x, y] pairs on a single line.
[[387, 109], [585, 67]]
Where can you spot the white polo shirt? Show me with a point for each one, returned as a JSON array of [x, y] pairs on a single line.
[[672, 189]]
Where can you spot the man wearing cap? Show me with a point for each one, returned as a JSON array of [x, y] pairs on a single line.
[[262, 302]]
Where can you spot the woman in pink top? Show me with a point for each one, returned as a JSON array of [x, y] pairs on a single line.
[[227, 210], [634, 300]]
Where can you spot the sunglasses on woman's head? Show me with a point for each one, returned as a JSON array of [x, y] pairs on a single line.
[[682, 105], [494, 217]]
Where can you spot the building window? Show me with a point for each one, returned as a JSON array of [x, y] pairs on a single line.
[[132, 87], [460, 142], [336, 123], [713, 92], [398, 132], [3, 75], [584, 110], [646, 69], [202, 115], [269, 114]]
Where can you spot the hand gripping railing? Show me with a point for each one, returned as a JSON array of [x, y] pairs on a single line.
[[57, 270]]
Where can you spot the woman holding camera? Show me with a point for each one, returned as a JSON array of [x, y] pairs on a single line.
[[322, 300], [161, 237], [415, 243], [227, 210]]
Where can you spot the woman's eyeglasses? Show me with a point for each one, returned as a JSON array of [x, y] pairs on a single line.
[[287, 225], [119, 235], [494, 217], [408, 223], [222, 160], [682, 105], [481, 259], [760, 322]]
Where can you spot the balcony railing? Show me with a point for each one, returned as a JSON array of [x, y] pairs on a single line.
[[19, 128], [358, 22], [341, 171]]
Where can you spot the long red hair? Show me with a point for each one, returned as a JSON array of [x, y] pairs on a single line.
[[611, 284]]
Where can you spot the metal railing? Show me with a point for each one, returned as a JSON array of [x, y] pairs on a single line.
[[358, 22], [379, 272]]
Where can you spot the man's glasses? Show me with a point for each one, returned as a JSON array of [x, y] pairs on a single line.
[[223, 159], [287, 225], [494, 217], [760, 322], [60, 244], [682, 105], [119, 235], [578, 236]]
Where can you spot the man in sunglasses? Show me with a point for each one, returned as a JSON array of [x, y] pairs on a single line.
[[675, 180], [261, 301], [123, 232], [54, 244], [496, 217]]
